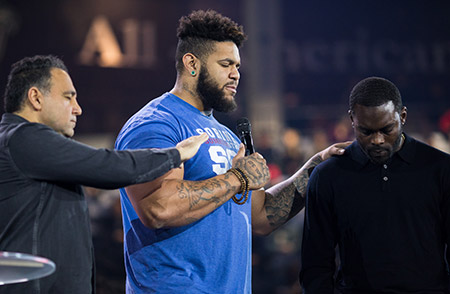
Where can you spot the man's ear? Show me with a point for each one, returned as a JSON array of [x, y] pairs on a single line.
[[34, 98], [350, 114], [403, 115], [191, 64]]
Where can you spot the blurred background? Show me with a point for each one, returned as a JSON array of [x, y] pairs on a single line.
[[298, 66]]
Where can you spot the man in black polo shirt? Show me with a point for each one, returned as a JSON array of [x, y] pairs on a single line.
[[42, 207], [385, 203]]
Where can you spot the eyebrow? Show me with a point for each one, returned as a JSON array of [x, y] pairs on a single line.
[[364, 129], [388, 126], [71, 93], [231, 61]]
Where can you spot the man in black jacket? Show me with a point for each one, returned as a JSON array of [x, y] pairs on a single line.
[[42, 207], [385, 202]]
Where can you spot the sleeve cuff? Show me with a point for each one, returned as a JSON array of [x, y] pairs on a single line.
[[174, 157]]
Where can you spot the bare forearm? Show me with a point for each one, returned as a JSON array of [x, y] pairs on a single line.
[[281, 202], [212, 192], [180, 202], [286, 199]]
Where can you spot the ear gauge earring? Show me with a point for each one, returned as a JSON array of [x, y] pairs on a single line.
[[193, 73]]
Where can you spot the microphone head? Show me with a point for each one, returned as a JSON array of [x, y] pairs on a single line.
[[243, 125], [243, 128]]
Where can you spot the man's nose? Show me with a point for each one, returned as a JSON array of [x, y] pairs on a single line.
[[378, 138], [234, 74], [77, 108]]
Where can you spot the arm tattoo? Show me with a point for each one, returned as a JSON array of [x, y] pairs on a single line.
[[206, 190], [286, 199], [279, 206], [301, 180], [254, 171]]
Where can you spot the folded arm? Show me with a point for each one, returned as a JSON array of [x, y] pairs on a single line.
[[170, 201]]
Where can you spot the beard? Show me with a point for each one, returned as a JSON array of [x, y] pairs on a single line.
[[212, 95], [380, 155]]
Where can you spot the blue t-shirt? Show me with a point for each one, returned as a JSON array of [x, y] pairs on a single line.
[[211, 255]]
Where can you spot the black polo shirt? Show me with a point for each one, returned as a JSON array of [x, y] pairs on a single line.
[[391, 222], [42, 208]]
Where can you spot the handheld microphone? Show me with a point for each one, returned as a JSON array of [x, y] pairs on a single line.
[[244, 129]]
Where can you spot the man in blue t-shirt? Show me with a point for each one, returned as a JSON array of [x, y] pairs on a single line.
[[190, 230]]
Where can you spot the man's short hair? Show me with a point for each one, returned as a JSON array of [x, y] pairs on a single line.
[[375, 91], [198, 31], [26, 73]]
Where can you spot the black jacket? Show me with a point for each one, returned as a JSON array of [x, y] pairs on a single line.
[[42, 207]]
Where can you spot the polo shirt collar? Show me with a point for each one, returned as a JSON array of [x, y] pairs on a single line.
[[408, 149], [406, 153]]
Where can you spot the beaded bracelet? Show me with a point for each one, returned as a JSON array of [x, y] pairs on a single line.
[[244, 185]]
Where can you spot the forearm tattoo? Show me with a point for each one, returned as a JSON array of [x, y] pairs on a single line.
[[301, 181], [279, 206], [210, 190], [286, 199]]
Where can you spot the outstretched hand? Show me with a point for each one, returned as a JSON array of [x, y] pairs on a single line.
[[335, 149], [189, 147]]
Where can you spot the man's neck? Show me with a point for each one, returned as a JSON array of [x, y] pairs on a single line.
[[402, 141], [186, 92], [29, 116]]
